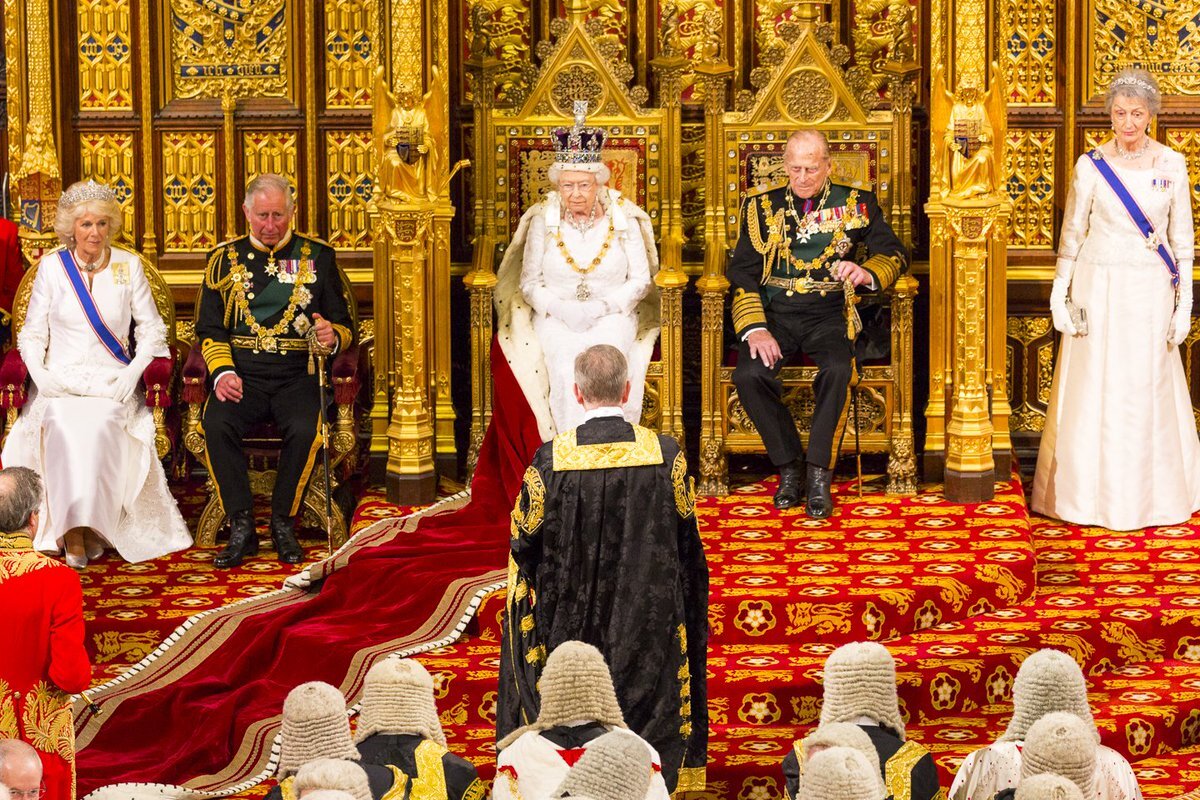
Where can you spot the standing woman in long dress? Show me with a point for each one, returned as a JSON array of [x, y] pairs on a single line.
[[87, 430], [1120, 449]]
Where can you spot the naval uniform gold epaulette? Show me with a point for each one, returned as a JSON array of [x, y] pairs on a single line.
[[214, 261], [315, 239], [763, 188]]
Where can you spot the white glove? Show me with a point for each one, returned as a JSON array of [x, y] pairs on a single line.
[[574, 315], [124, 383], [596, 308], [1058, 307], [48, 384], [1181, 320]]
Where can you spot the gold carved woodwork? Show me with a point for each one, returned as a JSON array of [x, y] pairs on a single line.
[[1187, 142], [105, 55], [1029, 164], [1161, 37], [270, 151], [189, 191], [37, 179], [1030, 370], [407, 27], [221, 48], [351, 52], [348, 188], [1029, 61], [500, 29], [108, 158]]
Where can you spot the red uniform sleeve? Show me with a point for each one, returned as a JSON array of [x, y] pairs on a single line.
[[69, 666], [13, 266]]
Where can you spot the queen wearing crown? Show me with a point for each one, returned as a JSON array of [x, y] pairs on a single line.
[[89, 333], [1120, 448], [577, 273]]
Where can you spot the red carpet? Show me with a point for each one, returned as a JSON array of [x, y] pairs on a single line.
[[400, 586]]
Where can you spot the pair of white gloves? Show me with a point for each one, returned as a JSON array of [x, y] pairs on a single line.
[[119, 386], [1181, 319], [579, 315]]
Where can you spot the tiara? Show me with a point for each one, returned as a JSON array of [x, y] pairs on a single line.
[[84, 192], [577, 144], [1130, 80]]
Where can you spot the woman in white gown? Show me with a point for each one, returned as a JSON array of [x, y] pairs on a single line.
[[86, 429], [577, 273], [1120, 448]]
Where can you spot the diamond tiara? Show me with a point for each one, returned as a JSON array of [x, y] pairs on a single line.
[[577, 144], [84, 192], [1130, 80]]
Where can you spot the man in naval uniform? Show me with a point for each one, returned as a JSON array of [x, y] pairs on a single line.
[[605, 550], [799, 245], [264, 296]]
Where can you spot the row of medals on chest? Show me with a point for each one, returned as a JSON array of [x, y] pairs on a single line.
[[806, 226], [280, 270]]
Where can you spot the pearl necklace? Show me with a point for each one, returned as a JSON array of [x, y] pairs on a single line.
[[1131, 155], [91, 266], [583, 226]]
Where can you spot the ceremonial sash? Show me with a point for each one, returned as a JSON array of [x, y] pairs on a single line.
[[107, 338], [1139, 218]]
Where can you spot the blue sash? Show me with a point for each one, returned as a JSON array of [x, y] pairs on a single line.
[[101, 329], [1140, 220]]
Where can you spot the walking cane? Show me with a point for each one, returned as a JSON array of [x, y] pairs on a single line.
[[320, 352], [853, 328]]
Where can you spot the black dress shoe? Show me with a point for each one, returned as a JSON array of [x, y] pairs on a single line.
[[820, 499], [243, 541], [788, 493], [283, 535]]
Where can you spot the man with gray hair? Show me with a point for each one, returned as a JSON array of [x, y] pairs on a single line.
[[604, 536], [265, 295], [43, 619]]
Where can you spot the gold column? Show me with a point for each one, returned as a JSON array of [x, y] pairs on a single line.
[[968, 214], [480, 281], [14, 48], [38, 181], [712, 79], [146, 128], [229, 134], [311, 140], [669, 67]]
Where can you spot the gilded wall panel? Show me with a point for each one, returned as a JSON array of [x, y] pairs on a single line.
[[270, 151], [105, 65], [1030, 362], [108, 158], [349, 182], [1187, 141], [1162, 37], [1030, 54], [220, 46], [1094, 137], [350, 56], [509, 24], [189, 191], [1029, 177]]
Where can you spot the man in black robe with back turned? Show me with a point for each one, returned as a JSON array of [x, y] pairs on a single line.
[[605, 550]]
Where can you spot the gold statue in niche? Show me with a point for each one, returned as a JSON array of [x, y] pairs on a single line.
[[967, 167], [412, 152]]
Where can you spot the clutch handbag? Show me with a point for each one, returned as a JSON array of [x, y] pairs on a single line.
[[1078, 316]]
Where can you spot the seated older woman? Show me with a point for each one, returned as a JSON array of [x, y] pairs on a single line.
[[577, 273], [87, 429]]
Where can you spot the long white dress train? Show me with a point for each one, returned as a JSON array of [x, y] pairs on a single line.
[[96, 456], [1120, 448]]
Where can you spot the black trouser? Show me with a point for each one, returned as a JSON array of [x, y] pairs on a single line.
[[282, 392], [820, 333]]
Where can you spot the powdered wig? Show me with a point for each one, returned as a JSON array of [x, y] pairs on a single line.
[[86, 197], [314, 726], [1137, 84], [335, 774]]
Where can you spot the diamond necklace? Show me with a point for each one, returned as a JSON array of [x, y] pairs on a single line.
[[1132, 155]]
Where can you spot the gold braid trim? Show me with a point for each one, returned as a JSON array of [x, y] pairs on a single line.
[[528, 520], [691, 779], [15, 563], [685, 490], [430, 782], [47, 721], [643, 451], [399, 784], [9, 729], [15, 541], [898, 770], [476, 791], [287, 788], [300, 296]]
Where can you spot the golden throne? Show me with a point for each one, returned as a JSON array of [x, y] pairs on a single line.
[[157, 380], [869, 149], [514, 150], [262, 442]]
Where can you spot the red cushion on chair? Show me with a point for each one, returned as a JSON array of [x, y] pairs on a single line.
[[195, 378], [345, 376], [157, 380], [13, 377]]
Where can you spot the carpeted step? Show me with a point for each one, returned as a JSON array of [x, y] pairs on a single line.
[[1170, 776]]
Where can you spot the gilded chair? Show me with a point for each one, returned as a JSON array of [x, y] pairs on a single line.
[[157, 379], [808, 89], [262, 442]]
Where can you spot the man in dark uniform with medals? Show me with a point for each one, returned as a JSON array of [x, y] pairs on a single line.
[[788, 275], [264, 296]]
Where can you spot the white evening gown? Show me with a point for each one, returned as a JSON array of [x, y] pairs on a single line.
[[96, 456], [1120, 449], [622, 278]]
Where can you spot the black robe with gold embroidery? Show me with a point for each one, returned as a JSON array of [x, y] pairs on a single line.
[[907, 767], [605, 550], [386, 781], [432, 769]]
